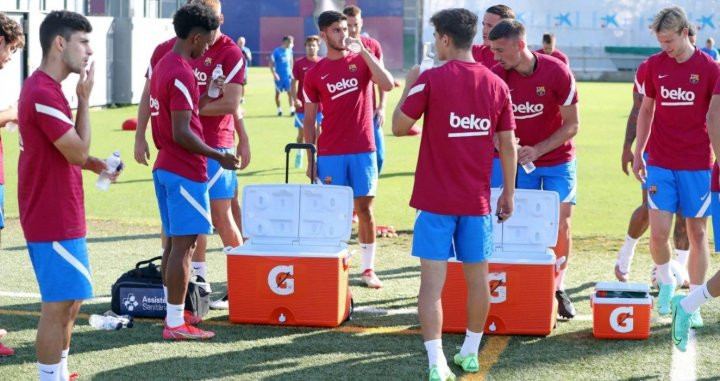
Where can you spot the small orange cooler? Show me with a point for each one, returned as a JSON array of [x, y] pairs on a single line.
[[294, 268], [621, 310], [522, 271]]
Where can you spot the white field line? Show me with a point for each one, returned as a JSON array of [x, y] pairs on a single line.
[[32, 295], [683, 364]]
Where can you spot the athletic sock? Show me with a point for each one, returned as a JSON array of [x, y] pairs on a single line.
[[560, 280], [48, 372], [174, 317], [682, 256], [626, 253], [435, 353], [199, 268], [471, 343], [664, 273], [696, 298], [64, 372], [165, 292], [368, 256]]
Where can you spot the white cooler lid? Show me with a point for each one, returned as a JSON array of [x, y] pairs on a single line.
[[533, 226], [622, 286], [295, 214]]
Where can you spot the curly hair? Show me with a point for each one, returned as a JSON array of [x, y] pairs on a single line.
[[193, 16], [12, 32]]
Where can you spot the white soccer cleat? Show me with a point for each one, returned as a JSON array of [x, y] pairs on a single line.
[[371, 279]]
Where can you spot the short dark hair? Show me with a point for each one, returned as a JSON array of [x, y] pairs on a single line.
[[458, 23], [312, 38], [327, 18], [61, 23], [692, 30], [352, 11], [12, 32], [194, 16], [288, 38], [548, 38], [501, 10], [507, 28]]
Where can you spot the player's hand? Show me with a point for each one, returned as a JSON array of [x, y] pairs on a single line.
[[243, 153], [412, 76], [228, 160], [311, 171], [85, 83], [639, 168], [276, 76], [95, 165], [626, 160], [10, 115], [380, 115], [220, 83], [142, 151], [298, 103], [527, 154], [505, 206]]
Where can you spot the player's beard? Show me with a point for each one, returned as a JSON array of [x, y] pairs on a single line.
[[340, 46], [75, 64]]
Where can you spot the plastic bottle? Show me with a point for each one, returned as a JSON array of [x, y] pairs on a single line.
[[11, 126], [353, 45], [127, 321], [113, 162], [107, 323], [528, 167], [214, 91]]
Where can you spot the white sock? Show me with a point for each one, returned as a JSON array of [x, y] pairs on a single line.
[[165, 292], [664, 273], [682, 256], [292, 109], [368, 255], [626, 253], [279, 109], [560, 280], [48, 372], [471, 343], [64, 372], [175, 316], [696, 298], [199, 268], [435, 353]]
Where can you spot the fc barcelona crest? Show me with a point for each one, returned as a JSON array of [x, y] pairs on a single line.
[[694, 78], [208, 61], [352, 68], [540, 90]]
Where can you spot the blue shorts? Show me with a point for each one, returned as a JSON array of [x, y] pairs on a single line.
[[439, 237], [715, 196], [282, 84], [184, 204], [496, 176], [2, 206], [643, 186], [670, 190], [379, 144], [300, 116], [358, 171], [62, 269], [561, 178], [222, 182]]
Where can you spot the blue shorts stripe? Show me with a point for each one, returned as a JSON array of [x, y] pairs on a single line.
[[184, 204]]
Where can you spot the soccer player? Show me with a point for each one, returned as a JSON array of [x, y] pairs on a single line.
[[247, 54], [549, 48], [280, 64], [11, 40], [711, 50], [544, 101], [180, 171], [639, 219], [679, 83], [50, 201], [342, 84], [452, 179], [300, 67], [483, 54]]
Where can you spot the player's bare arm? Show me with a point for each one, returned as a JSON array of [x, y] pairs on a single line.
[[380, 75], [402, 123], [75, 143], [508, 161], [184, 137], [310, 133], [205, 99], [571, 124], [645, 117], [271, 64], [8, 115], [142, 150], [227, 104], [630, 132], [243, 147]]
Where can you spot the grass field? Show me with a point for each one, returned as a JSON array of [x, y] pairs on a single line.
[[382, 340]]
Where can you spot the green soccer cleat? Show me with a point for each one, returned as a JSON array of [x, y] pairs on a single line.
[[696, 321], [468, 363], [437, 374], [666, 293], [680, 328]]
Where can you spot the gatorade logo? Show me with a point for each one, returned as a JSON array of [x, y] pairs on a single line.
[[200, 76], [154, 106], [281, 281], [679, 97], [344, 86], [527, 110], [498, 287], [621, 319]]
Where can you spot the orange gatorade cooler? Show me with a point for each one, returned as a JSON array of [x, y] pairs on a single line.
[[621, 310], [522, 271], [294, 268]]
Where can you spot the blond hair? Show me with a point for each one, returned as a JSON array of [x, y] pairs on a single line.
[[670, 19]]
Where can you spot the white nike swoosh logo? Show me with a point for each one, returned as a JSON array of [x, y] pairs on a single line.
[[663, 76], [323, 77], [704, 197]]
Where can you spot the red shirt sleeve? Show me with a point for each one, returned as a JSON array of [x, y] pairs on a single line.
[[506, 119], [53, 117], [233, 64], [565, 89], [416, 102], [650, 90], [310, 88], [181, 94]]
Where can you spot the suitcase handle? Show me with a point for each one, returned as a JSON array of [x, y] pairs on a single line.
[[147, 262], [291, 146]]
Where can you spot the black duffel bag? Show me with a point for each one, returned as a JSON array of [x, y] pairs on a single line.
[[139, 292]]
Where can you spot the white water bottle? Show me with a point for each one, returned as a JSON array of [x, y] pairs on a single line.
[[213, 90], [352, 45], [528, 167], [11, 126], [107, 323], [428, 60], [113, 162]]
